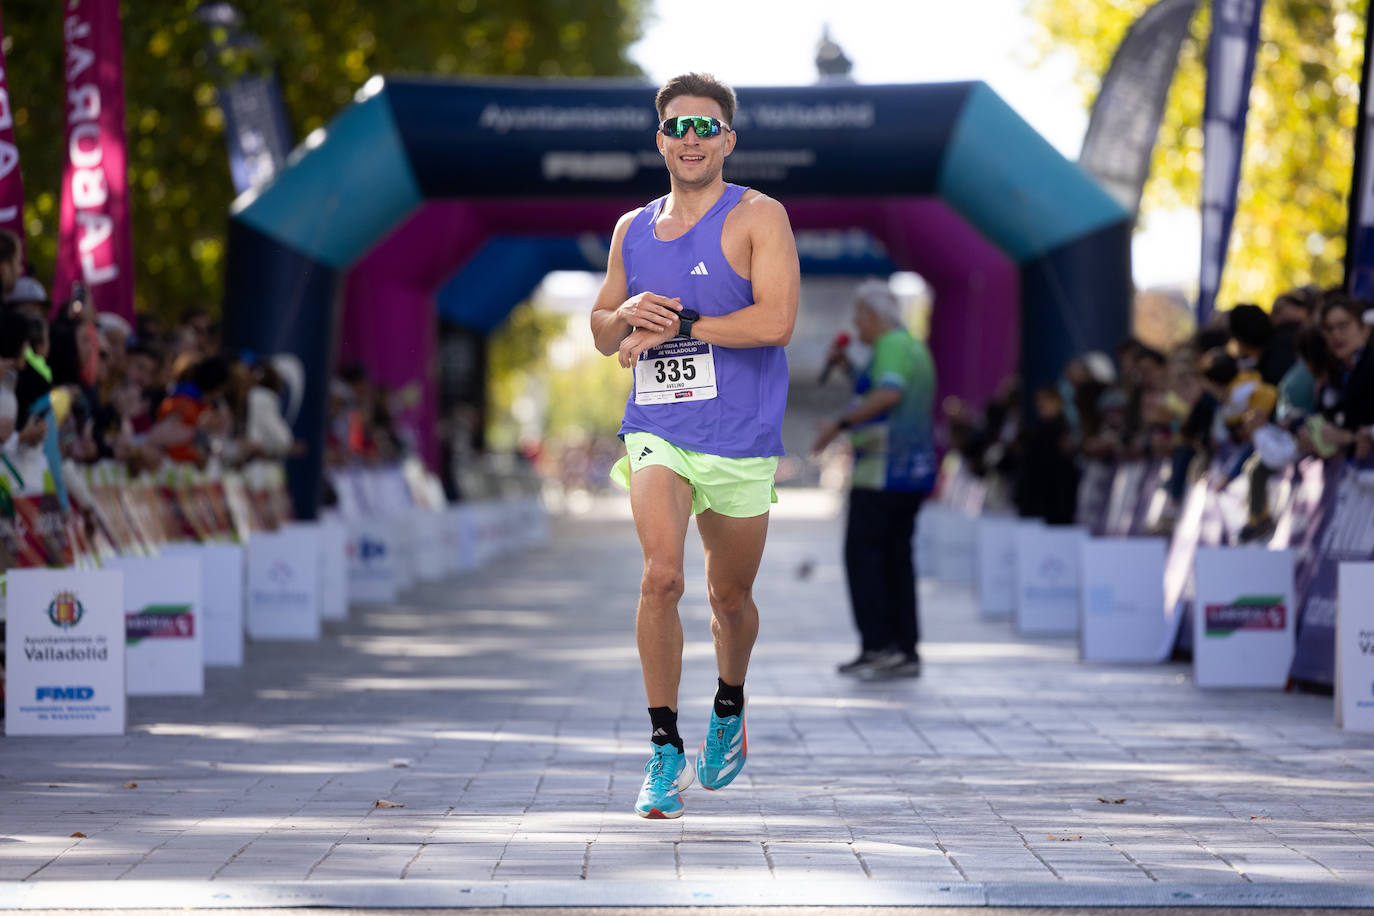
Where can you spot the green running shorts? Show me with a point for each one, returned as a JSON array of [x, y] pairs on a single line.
[[737, 487]]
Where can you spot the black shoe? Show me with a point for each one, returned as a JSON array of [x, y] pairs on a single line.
[[864, 661], [892, 666]]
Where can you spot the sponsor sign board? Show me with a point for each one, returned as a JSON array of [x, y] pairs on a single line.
[[1355, 648], [222, 573], [1123, 599], [64, 652], [995, 550], [1047, 579], [371, 559], [164, 625], [1243, 617], [284, 584]]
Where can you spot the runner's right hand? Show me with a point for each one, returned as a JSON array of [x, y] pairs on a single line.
[[649, 310]]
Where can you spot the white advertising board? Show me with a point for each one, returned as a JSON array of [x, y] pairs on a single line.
[[1047, 579], [333, 569], [1355, 647], [996, 572], [451, 534], [466, 527], [427, 529], [923, 544], [164, 625], [284, 584], [403, 540], [1123, 599], [64, 652], [1243, 622], [954, 547], [221, 571], [372, 575]]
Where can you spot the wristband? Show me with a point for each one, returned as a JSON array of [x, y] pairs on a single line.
[[687, 318]]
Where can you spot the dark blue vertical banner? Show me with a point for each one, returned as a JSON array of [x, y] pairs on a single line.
[[250, 96], [1359, 248], [301, 323], [1126, 115], [1230, 67], [256, 128]]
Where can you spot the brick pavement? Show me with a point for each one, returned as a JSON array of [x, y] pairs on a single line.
[[505, 711]]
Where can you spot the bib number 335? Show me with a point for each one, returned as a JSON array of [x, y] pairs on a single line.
[[677, 371]]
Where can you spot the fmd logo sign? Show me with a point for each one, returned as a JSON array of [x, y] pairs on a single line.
[[369, 549], [65, 693]]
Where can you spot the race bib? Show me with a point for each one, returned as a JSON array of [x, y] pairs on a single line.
[[678, 371]]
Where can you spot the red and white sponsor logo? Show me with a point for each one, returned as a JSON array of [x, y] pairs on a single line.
[[159, 626], [1246, 616]]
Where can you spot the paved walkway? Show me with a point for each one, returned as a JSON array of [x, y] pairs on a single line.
[[503, 714]]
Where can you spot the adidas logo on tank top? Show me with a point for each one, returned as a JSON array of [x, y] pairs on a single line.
[[700, 270]]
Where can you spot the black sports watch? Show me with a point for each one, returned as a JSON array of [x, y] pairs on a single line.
[[687, 317]]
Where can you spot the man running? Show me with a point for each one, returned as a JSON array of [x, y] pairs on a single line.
[[700, 298]]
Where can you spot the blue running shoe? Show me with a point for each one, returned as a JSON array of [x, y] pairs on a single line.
[[665, 776], [722, 753]]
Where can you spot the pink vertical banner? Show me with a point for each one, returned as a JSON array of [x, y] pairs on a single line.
[[94, 245], [11, 186]]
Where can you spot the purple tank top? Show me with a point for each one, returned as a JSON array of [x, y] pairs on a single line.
[[744, 420]]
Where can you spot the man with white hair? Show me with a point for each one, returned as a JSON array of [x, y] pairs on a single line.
[[891, 428]]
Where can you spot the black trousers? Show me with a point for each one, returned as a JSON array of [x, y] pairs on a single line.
[[878, 563]]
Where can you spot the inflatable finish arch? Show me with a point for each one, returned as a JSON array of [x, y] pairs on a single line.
[[382, 220]]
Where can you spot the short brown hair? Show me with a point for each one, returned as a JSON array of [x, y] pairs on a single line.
[[1337, 300], [699, 84]]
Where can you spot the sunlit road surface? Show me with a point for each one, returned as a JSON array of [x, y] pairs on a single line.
[[501, 716]]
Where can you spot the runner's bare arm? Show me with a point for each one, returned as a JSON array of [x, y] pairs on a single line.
[[613, 315], [776, 277]]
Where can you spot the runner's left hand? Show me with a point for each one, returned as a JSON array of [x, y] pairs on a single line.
[[641, 339]]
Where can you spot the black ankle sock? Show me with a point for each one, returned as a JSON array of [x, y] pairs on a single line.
[[664, 722], [729, 700]]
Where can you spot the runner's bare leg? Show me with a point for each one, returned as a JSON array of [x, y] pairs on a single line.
[[734, 549], [662, 505]]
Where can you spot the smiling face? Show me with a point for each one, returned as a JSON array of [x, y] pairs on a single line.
[[694, 162]]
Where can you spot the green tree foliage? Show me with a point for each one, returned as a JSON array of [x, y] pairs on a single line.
[[588, 398], [581, 398], [323, 51], [518, 370], [1299, 143]]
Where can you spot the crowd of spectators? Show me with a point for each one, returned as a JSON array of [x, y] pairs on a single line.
[[82, 386], [362, 427], [1254, 389]]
